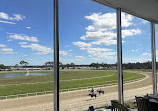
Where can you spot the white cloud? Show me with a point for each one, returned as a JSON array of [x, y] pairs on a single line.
[[4, 15], [130, 32], [98, 49], [16, 17], [96, 59], [98, 35], [108, 37], [70, 50], [107, 21], [22, 43], [2, 45], [105, 42], [101, 31], [65, 53], [80, 57], [41, 50], [145, 53], [136, 59], [2, 21], [7, 51], [25, 55], [28, 27], [23, 37], [9, 40], [136, 50], [82, 44]]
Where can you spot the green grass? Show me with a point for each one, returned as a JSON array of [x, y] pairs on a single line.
[[64, 75]]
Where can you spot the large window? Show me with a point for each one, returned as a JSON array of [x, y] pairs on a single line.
[[26, 54], [137, 59]]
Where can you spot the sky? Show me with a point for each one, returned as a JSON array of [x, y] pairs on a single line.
[[87, 33]]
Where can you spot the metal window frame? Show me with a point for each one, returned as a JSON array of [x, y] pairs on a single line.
[[153, 52], [56, 55], [119, 56]]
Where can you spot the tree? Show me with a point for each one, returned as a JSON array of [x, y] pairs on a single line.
[[16, 65], [72, 65], [49, 64], [2, 66], [26, 63], [23, 63]]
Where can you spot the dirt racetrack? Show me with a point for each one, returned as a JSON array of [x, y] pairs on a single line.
[[79, 100]]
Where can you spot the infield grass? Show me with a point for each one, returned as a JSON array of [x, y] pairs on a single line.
[[98, 77]]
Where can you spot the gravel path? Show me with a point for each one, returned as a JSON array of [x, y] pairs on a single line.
[[78, 99]]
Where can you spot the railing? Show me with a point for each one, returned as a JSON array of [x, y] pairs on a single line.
[[25, 95]]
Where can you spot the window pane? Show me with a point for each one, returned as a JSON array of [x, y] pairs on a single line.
[[26, 54], [87, 55], [137, 59]]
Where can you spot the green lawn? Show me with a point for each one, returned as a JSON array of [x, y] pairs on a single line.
[[110, 77]]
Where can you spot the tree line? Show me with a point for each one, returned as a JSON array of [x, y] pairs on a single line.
[[138, 65]]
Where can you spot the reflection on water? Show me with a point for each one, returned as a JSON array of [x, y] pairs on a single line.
[[11, 75]]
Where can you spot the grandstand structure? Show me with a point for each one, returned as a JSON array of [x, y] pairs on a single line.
[[145, 9]]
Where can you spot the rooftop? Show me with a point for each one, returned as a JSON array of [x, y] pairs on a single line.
[[145, 9]]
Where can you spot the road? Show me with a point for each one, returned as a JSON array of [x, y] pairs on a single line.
[[79, 100]]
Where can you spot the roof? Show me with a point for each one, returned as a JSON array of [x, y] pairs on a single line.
[[145, 9]]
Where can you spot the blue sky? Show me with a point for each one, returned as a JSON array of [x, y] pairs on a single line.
[[87, 33]]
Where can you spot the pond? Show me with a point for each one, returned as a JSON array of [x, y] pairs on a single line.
[[11, 75]]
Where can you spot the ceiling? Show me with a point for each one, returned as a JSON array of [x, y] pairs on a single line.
[[146, 9]]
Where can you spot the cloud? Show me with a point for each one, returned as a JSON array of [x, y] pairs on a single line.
[[9, 40], [16, 17], [102, 31], [7, 51], [2, 21], [28, 27], [23, 37], [145, 53], [2, 45], [65, 53], [130, 32], [22, 43], [82, 44], [96, 51], [80, 57], [108, 37], [136, 59], [41, 50], [107, 21], [98, 35], [136, 50], [105, 42]]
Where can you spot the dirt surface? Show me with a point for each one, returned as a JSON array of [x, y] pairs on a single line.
[[79, 100]]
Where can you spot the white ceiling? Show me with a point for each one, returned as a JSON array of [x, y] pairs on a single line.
[[146, 9]]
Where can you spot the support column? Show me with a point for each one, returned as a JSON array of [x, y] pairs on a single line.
[[119, 57], [56, 56], [153, 51]]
